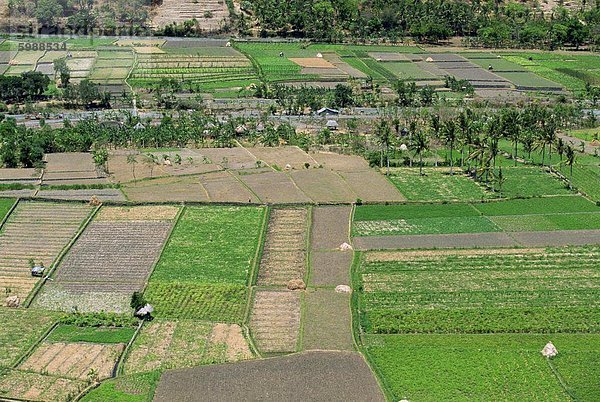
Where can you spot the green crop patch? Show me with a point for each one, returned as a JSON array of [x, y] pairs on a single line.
[[129, 388], [5, 206], [20, 329], [524, 181], [535, 206], [414, 211], [72, 333], [523, 223], [486, 367], [454, 224], [437, 185], [513, 290]]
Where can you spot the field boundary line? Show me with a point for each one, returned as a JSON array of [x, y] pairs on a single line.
[[9, 213], [356, 329], [561, 381], [57, 261], [308, 245], [244, 185], [251, 342], [33, 347], [118, 369], [164, 245], [289, 176]]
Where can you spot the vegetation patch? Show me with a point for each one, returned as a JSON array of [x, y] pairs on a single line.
[[128, 388], [5, 206], [72, 333], [485, 367]]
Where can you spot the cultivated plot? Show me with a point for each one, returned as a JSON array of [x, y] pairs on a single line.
[[34, 386], [112, 259], [35, 231], [275, 320], [178, 344]]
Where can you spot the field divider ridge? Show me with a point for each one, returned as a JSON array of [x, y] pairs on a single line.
[[561, 380], [30, 350], [38, 286], [118, 369], [8, 213]]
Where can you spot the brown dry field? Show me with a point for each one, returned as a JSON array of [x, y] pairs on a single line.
[[316, 62], [105, 194], [70, 162], [122, 172], [274, 187], [39, 387], [284, 255], [19, 174], [309, 376], [225, 187], [372, 186], [236, 158], [347, 163], [337, 61], [39, 231], [172, 189], [323, 185], [330, 268], [74, 360], [138, 213], [410, 255], [275, 320], [328, 320], [180, 11], [282, 156], [330, 227], [179, 344]]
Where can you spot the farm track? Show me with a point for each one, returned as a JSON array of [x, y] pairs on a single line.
[[284, 256], [275, 321], [110, 260], [37, 231], [470, 240]]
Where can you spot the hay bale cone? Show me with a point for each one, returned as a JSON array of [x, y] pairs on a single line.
[[296, 284]]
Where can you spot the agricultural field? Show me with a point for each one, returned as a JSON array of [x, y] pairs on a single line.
[[34, 386], [563, 213], [586, 134], [112, 259], [507, 290], [486, 367], [163, 345], [204, 270], [5, 206], [131, 388], [35, 231]]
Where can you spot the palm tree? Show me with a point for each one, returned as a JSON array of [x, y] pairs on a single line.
[[420, 143], [383, 133], [132, 160], [449, 136], [570, 161]]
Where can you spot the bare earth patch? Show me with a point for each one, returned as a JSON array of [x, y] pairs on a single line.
[[173, 189], [275, 321], [312, 62], [74, 360], [34, 386], [330, 227], [273, 187], [138, 213]]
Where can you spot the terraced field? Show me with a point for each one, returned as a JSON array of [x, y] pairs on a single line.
[[275, 320], [110, 261], [35, 231], [284, 255]]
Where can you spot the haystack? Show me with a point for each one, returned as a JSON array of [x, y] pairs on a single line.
[[549, 350], [296, 284], [429, 60], [13, 301], [345, 247], [94, 201], [343, 289]]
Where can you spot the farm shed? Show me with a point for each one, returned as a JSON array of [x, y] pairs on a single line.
[[332, 124], [325, 111]]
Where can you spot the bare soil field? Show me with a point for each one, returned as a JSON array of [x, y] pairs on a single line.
[[275, 321], [330, 227], [106, 194], [284, 255], [210, 14], [108, 263], [309, 376], [172, 189], [18, 175], [372, 186], [347, 163], [71, 168], [314, 62], [322, 185], [273, 187], [341, 65], [330, 268], [38, 387], [231, 158], [283, 156], [38, 231], [557, 238], [180, 344], [328, 320], [137, 213], [224, 187], [74, 360]]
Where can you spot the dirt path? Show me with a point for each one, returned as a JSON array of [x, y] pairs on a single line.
[[309, 376], [472, 240]]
